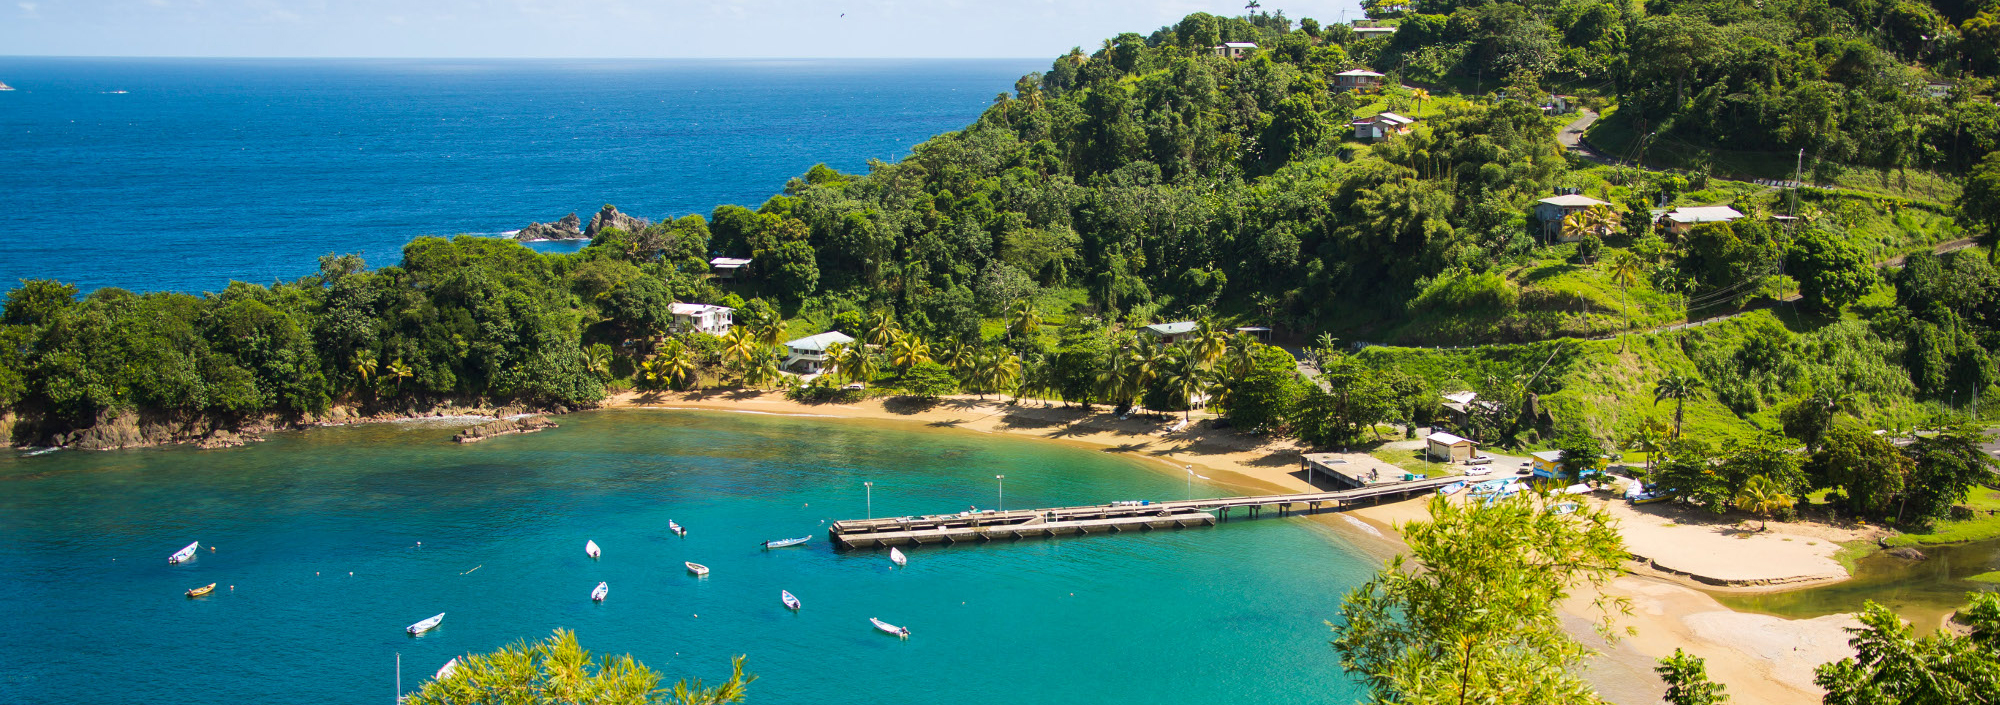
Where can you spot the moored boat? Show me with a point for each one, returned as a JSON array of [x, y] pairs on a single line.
[[185, 554], [781, 543], [1451, 489], [676, 528], [203, 590], [697, 568], [447, 669], [590, 549], [425, 625], [888, 628], [791, 602], [597, 594], [896, 555]]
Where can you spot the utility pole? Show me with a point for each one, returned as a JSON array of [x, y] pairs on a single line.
[[1002, 479], [869, 487], [399, 677], [1798, 171]]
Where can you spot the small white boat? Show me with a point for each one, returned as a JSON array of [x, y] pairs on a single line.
[[1564, 508], [597, 594], [1578, 488], [896, 556], [888, 628], [425, 625], [697, 568], [791, 603], [447, 669], [1451, 489], [781, 543], [676, 528], [590, 549], [184, 555]]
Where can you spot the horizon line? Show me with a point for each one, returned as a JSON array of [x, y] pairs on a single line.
[[534, 58]]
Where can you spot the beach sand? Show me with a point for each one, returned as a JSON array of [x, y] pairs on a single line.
[[1761, 659]]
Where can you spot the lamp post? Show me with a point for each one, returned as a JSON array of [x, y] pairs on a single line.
[[1002, 479], [1190, 472], [869, 488]]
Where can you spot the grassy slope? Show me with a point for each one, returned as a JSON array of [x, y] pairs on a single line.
[[1985, 524], [1616, 135]]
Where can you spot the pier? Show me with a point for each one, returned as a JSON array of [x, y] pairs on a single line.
[[1117, 517]]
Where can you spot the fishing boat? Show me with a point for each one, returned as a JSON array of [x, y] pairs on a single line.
[[1564, 508], [1451, 489], [184, 555], [425, 625], [791, 603], [597, 594], [203, 590], [781, 543], [888, 628], [676, 528], [697, 568], [447, 669], [590, 549], [896, 556]]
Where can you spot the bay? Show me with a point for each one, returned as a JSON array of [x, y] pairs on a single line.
[[183, 174], [96, 614]]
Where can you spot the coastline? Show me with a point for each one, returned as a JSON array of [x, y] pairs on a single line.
[[1759, 657]]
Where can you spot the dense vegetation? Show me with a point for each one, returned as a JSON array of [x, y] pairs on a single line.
[[560, 670]]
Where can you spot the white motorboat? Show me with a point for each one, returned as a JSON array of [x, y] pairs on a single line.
[[184, 555], [425, 625], [791, 602], [597, 594], [888, 628], [590, 549], [697, 568], [447, 669], [676, 528], [781, 543], [896, 556]]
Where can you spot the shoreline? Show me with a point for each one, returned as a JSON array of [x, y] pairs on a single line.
[[1760, 658]]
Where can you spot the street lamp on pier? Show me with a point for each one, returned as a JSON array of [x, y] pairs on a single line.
[[869, 487], [1002, 479]]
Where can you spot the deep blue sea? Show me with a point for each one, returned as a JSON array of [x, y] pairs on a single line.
[[183, 174]]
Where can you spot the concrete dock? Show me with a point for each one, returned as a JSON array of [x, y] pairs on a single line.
[[1116, 517]]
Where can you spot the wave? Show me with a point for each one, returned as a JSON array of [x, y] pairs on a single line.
[[1362, 525]]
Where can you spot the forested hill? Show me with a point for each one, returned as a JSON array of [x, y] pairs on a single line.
[[1153, 179]]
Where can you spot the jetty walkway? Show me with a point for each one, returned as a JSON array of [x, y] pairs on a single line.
[[1116, 517]]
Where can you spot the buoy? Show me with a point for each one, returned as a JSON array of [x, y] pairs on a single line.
[[315, 572], [350, 573]]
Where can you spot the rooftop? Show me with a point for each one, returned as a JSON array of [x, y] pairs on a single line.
[[820, 342], [680, 309], [1174, 328], [1446, 438], [1461, 397], [1240, 45], [1704, 214], [727, 262], [1374, 30], [1359, 72], [1553, 456], [1574, 200]]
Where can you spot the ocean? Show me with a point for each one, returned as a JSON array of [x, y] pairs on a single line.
[[319, 568], [185, 174]]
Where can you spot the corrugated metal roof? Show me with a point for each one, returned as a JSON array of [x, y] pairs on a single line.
[[821, 341]]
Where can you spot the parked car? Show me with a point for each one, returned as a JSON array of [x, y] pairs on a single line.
[[1480, 460]]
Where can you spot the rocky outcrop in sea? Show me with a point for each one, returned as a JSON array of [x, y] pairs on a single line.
[[566, 229], [502, 427], [611, 218]]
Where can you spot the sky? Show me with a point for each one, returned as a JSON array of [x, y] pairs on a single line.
[[596, 28]]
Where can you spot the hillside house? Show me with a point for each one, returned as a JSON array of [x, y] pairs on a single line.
[[1551, 211], [701, 318], [1382, 126], [808, 354], [1357, 80], [1447, 448], [727, 267], [1235, 50], [1679, 220], [1373, 32], [1170, 333]]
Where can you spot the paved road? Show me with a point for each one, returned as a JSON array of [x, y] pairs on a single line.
[[1571, 136]]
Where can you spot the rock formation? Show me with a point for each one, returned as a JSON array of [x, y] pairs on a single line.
[[611, 218], [565, 229], [502, 427]]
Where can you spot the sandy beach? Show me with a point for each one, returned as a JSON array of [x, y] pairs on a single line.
[[1760, 658]]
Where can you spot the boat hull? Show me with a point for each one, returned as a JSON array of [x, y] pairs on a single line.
[[203, 590]]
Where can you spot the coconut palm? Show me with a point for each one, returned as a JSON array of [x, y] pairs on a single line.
[[1625, 269], [1420, 94], [1825, 406], [1209, 342], [1651, 439], [1680, 388], [908, 350], [1764, 498], [1038, 378], [858, 365], [881, 327], [762, 370], [365, 367], [740, 347], [597, 360], [1241, 358], [1023, 320], [995, 370], [673, 366], [767, 328], [957, 356], [1183, 373], [399, 372]]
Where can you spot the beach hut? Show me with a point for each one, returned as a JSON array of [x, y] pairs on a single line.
[[1448, 448], [1547, 463]]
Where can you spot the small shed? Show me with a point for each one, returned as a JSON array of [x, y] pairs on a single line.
[[1680, 220], [1547, 463], [1381, 126], [1448, 448], [1235, 50], [727, 267], [1259, 333], [1356, 80], [1551, 211], [1372, 32], [1171, 332]]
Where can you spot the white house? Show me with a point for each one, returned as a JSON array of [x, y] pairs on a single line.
[[1448, 448], [808, 354], [1171, 332], [702, 318], [1381, 126], [1551, 211], [1373, 32], [1358, 79], [1235, 50], [727, 267], [1680, 220]]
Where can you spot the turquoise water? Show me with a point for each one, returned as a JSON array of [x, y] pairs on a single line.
[[96, 615]]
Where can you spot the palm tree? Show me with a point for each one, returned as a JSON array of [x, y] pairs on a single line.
[[1038, 378], [1115, 380], [365, 366], [995, 370], [767, 329], [857, 365], [1420, 94], [1826, 405], [1185, 376], [881, 327], [597, 360], [1241, 358], [1651, 439], [740, 347], [1680, 388], [762, 370], [1763, 497], [674, 365], [1625, 269], [908, 351], [1208, 342], [958, 356], [1023, 320], [399, 372]]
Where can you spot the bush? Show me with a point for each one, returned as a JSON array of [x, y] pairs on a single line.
[[1462, 290], [928, 380]]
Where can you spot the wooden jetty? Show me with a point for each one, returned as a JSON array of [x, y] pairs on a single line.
[[1117, 517]]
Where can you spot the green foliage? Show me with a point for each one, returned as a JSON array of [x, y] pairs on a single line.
[[1831, 273], [1475, 619], [928, 380], [1687, 681], [1891, 665], [559, 670], [1265, 397]]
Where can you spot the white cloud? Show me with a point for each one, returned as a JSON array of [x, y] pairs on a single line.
[[28, 9]]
